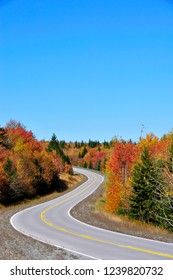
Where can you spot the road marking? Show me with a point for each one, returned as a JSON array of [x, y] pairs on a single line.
[[42, 216]]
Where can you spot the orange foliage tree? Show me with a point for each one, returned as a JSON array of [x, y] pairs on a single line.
[[27, 167], [119, 167]]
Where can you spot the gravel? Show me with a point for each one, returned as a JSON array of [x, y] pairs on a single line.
[[16, 246], [87, 212]]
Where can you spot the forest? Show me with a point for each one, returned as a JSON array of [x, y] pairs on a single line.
[[29, 167], [139, 175]]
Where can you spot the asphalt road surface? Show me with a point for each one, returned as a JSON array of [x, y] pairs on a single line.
[[52, 223]]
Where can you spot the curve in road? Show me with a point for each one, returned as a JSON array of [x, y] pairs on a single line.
[[52, 223]]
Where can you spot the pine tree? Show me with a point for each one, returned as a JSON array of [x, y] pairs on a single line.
[[8, 168], [170, 158], [104, 163], [146, 181], [98, 166], [75, 144], [54, 145], [84, 152], [90, 165], [79, 155]]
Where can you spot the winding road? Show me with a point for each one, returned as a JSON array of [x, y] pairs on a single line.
[[52, 223]]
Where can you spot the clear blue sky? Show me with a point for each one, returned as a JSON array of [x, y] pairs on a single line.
[[87, 68]]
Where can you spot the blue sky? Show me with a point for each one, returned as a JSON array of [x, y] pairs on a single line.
[[87, 68]]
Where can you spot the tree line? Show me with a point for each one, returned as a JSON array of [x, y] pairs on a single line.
[[29, 167], [139, 175]]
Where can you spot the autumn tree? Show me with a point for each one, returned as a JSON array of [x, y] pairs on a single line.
[[27, 168], [119, 166]]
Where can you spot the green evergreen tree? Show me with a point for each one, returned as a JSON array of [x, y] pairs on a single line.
[[84, 152], [90, 166], [98, 166], [79, 155], [146, 182], [93, 144], [170, 158], [104, 163], [54, 145], [106, 145], [8, 168], [78, 145], [75, 144], [62, 144]]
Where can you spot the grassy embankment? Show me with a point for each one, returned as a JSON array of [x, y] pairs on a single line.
[[123, 224]]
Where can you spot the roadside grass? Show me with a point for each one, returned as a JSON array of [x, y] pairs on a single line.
[[16, 246], [122, 224]]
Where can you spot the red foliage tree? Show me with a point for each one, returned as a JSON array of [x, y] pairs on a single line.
[[119, 168]]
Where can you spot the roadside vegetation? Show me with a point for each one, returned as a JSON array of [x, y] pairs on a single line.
[[139, 186], [16, 246], [29, 167]]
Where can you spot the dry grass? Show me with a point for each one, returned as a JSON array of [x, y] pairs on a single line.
[[92, 211], [15, 245], [123, 224], [72, 181]]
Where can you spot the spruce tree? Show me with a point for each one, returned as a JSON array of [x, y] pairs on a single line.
[[90, 165], [146, 183], [8, 168], [170, 158], [84, 152], [98, 166], [79, 155], [54, 145]]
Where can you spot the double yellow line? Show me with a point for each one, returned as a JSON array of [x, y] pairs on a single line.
[[42, 216]]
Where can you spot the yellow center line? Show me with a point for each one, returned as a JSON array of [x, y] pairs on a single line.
[[42, 216]]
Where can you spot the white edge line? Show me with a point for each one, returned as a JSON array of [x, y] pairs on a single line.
[[48, 242], [44, 241], [106, 230], [98, 228]]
